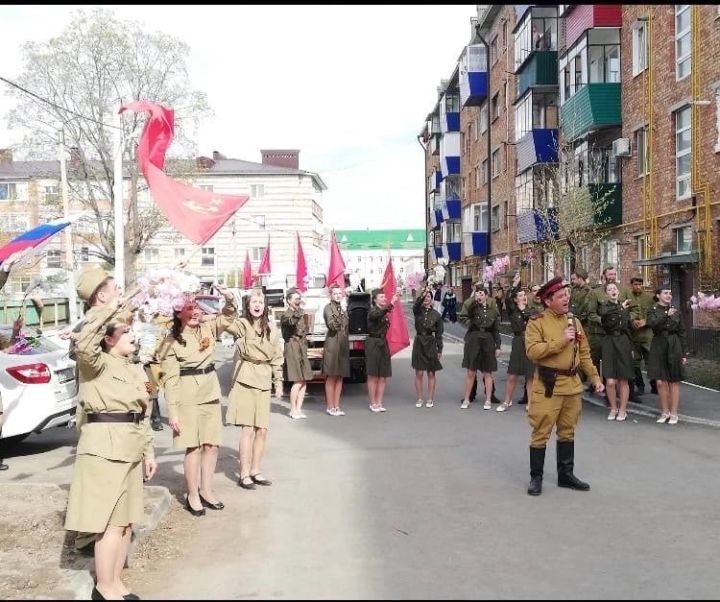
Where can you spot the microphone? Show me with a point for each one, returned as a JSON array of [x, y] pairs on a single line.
[[570, 319]]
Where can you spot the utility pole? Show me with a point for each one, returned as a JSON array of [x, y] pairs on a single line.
[[71, 293]]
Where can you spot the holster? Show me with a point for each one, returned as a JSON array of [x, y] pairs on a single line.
[[548, 376]]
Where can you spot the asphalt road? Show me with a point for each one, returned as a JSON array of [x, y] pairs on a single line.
[[431, 504]]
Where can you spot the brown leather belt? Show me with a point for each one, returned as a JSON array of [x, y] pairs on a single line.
[[196, 371], [134, 417]]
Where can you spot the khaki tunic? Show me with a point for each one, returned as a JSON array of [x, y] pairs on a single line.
[[194, 400], [294, 331], [336, 353], [259, 361], [545, 345], [108, 475]]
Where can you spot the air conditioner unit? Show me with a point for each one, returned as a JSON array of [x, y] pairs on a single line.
[[622, 147]]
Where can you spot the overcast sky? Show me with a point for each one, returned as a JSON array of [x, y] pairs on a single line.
[[350, 86]]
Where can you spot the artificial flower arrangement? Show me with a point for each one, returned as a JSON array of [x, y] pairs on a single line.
[[164, 291], [707, 302], [499, 266], [527, 259], [23, 344]]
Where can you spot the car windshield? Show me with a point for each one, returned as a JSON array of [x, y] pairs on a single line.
[[32, 345]]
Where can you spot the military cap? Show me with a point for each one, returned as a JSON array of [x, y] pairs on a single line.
[[637, 278], [89, 281], [581, 272], [550, 287]]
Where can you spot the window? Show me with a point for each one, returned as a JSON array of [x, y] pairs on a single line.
[[640, 47], [8, 191], [604, 63], [475, 218], [495, 106], [717, 115], [566, 265], [493, 51], [484, 118], [208, 187], [257, 191], [683, 239], [54, 258], [258, 220], [642, 151], [52, 194], [152, 255], [256, 253], [208, 257], [642, 253], [496, 218], [683, 152], [478, 124], [584, 258], [317, 211], [548, 266], [608, 253], [477, 177], [179, 253], [484, 171], [13, 222], [84, 254], [537, 32], [524, 192], [463, 142], [683, 49], [535, 111], [496, 163], [506, 210]]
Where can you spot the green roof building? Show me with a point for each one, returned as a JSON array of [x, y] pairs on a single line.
[[355, 240]]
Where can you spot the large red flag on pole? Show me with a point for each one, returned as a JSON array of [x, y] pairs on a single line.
[[397, 335], [196, 213], [336, 271], [247, 272], [265, 261], [301, 272]]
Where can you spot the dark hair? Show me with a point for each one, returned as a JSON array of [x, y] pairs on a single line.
[[375, 293], [607, 269], [659, 290], [515, 292], [110, 332], [93, 298], [610, 284], [177, 328], [290, 292], [264, 318]]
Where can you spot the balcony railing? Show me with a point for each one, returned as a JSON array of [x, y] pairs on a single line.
[[594, 106], [537, 226], [537, 146]]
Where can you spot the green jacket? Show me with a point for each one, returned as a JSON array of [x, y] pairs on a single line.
[[579, 302], [642, 303]]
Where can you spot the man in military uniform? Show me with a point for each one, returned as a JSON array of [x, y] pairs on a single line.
[[557, 345], [641, 334], [580, 299]]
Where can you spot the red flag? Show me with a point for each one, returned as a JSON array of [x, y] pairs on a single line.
[[265, 261], [196, 213], [336, 271], [247, 272], [397, 335], [301, 272]]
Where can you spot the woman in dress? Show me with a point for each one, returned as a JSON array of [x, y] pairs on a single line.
[[336, 353], [259, 361], [115, 449], [294, 328], [192, 395], [377, 353], [617, 357], [519, 313], [668, 353], [427, 346], [449, 303]]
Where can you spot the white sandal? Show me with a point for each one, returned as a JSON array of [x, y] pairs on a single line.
[[504, 406], [419, 403]]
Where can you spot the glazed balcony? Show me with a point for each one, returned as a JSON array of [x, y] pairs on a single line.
[[473, 76], [594, 106], [540, 70]]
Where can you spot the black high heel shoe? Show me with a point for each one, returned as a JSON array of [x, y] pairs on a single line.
[[131, 596], [257, 481], [250, 485], [217, 506], [191, 510], [96, 595]]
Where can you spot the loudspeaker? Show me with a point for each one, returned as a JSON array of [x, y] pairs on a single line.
[[358, 308]]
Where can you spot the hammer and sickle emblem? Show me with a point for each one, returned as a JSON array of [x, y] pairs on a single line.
[[212, 207]]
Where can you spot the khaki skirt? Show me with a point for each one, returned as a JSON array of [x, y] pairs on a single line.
[[200, 424], [104, 493], [297, 363], [248, 406]]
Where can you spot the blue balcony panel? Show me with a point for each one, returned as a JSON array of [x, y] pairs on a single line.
[[473, 88], [439, 252], [450, 166], [537, 146], [453, 251], [479, 243], [437, 180], [535, 227], [449, 122], [453, 209]]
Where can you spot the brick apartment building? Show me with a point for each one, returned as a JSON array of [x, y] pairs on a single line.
[[632, 90]]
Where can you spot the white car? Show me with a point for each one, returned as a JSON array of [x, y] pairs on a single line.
[[38, 389]]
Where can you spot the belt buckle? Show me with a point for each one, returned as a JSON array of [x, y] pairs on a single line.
[[137, 417]]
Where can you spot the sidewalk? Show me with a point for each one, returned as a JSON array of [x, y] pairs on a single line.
[[698, 405]]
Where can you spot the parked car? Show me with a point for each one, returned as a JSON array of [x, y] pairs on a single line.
[[38, 388]]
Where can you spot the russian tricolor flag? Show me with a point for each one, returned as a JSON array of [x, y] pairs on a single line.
[[32, 239]]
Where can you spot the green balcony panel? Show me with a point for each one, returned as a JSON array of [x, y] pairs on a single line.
[[541, 69], [594, 204], [610, 196], [594, 106]]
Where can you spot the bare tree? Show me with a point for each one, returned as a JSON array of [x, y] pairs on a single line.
[[96, 64]]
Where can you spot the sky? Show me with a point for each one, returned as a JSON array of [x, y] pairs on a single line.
[[350, 86]]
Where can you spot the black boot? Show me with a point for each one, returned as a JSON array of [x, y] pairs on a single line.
[[639, 382], [653, 387], [537, 462], [634, 395], [155, 416], [524, 399], [494, 398], [565, 465], [473, 391]]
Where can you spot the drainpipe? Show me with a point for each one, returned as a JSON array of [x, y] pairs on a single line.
[[427, 213]]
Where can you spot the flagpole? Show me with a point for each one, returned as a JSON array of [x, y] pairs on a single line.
[[118, 208], [71, 293]]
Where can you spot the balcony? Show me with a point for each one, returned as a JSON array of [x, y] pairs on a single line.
[[537, 146], [436, 218], [452, 209], [541, 69], [473, 76], [434, 144], [589, 16], [450, 154], [594, 106], [475, 243], [609, 197], [436, 180], [534, 226]]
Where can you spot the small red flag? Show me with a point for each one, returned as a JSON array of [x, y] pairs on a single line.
[[301, 273], [336, 271], [247, 272], [397, 335], [196, 213], [265, 261]]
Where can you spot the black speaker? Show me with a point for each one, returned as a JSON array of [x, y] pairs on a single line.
[[358, 308]]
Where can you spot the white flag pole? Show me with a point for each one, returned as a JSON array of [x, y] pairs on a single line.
[[118, 208]]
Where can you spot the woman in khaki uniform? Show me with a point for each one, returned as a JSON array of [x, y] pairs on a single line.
[[106, 494], [294, 328], [192, 395], [259, 360], [336, 352]]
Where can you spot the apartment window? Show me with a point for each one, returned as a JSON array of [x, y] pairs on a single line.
[[683, 152], [577, 72], [480, 217], [683, 239], [683, 50], [463, 142], [535, 111], [477, 177], [256, 253], [537, 32], [54, 258], [566, 265], [208, 257], [506, 210], [84, 254], [258, 220], [179, 254], [484, 118], [8, 191], [524, 192], [641, 140], [478, 125], [13, 222], [640, 47], [152, 255], [495, 219], [584, 258], [484, 171], [208, 187], [52, 194], [608, 253], [495, 106], [257, 191], [548, 266], [493, 51], [496, 163], [604, 63], [317, 211]]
